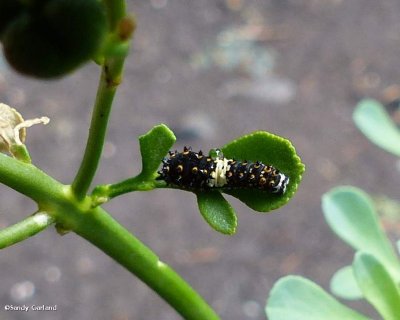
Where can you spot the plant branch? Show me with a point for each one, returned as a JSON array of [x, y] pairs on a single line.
[[29, 180], [70, 207], [121, 29], [104, 232], [25, 229], [116, 10], [99, 228], [97, 132], [106, 192]]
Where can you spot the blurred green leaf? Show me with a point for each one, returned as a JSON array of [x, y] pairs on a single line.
[[377, 285], [387, 208], [217, 211], [273, 150], [374, 122], [344, 285], [351, 215], [297, 298], [154, 145]]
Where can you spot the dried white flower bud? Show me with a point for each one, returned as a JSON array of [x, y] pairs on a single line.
[[13, 127]]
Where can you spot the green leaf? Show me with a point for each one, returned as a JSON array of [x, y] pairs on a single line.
[[377, 285], [217, 211], [272, 150], [154, 145], [344, 285], [351, 215], [297, 298], [374, 122]]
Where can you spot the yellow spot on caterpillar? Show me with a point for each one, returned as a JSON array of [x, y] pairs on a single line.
[[272, 183]]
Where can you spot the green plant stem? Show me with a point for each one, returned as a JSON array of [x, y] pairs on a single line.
[[110, 78], [29, 180], [25, 229], [21, 153], [72, 209], [97, 132], [106, 192], [116, 10], [104, 232], [99, 228]]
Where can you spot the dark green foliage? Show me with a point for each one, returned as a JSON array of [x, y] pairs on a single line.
[[51, 38], [9, 9]]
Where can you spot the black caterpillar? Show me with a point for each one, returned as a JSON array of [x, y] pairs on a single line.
[[195, 171]]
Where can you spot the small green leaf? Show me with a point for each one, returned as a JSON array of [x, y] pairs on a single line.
[[154, 145], [272, 150], [377, 285], [374, 122], [344, 285], [297, 298], [351, 215], [217, 211]]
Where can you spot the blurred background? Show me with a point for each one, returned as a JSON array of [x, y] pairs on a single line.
[[212, 71]]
